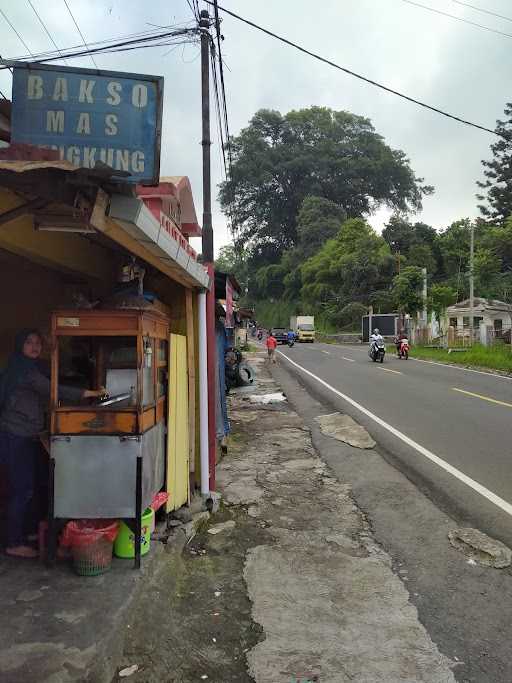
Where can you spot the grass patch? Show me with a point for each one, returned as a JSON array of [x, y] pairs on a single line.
[[250, 348], [493, 358]]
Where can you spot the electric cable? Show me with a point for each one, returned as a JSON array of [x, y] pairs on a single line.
[[452, 16], [218, 108], [44, 27], [79, 31], [356, 75], [15, 31], [481, 9], [223, 86], [124, 46], [41, 56]]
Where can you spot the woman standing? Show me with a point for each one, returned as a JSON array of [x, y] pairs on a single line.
[[24, 397]]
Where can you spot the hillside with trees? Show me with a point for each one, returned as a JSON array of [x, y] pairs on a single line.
[[301, 189]]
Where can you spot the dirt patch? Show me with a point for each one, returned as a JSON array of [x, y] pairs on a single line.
[[198, 620]]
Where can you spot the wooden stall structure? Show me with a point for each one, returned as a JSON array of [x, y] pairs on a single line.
[[108, 459]]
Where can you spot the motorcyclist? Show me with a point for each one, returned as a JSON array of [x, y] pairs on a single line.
[[290, 337], [398, 340], [376, 337]]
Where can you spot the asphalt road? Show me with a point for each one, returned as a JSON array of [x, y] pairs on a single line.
[[448, 429]]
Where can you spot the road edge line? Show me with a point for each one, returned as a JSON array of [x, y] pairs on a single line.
[[471, 483]]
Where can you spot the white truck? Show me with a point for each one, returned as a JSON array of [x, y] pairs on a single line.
[[304, 327]]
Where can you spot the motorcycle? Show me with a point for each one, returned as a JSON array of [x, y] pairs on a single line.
[[377, 351], [290, 342], [260, 335], [403, 349]]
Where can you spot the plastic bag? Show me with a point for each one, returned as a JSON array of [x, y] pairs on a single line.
[[84, 532], [159, 500]]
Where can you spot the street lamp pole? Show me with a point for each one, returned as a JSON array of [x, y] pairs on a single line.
[[472, 283]]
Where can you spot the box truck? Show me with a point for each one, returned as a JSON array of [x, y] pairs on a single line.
[[304, 327]]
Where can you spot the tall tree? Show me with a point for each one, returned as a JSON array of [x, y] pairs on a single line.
[[351, 267], [279, 160], [407, 290], [319, 220], [498, 173]]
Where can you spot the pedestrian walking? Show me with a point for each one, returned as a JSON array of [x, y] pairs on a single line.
[[271, 347]]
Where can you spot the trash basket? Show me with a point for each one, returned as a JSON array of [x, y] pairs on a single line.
[[91, 542]]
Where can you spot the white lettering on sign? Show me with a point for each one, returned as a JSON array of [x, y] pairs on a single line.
[[138, 162], [140, 96], [85, 93], [111, 124], [83, 127], [120, 159], [73, 155], [54, 121], [34, 87], [107, 156], [114, 89], [60, 91], [89, 157]]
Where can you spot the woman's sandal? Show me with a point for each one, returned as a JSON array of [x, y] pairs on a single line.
[[22, 551]]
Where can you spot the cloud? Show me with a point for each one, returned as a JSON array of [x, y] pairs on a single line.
[[446, 63]]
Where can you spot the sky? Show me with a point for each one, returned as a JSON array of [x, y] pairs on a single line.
[[449, 64]]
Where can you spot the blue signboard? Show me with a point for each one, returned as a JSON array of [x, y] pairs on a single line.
[[90, 116]]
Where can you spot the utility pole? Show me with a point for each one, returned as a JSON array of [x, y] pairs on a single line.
[[204, 25], [207, 246], [471, 283]]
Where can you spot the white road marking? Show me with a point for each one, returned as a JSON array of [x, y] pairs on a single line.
[[327, 352], [476, 486], [397, 372], [350, 360], [458, 367]]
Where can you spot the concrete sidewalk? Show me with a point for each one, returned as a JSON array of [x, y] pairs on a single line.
[[57, 627], [324, 593]]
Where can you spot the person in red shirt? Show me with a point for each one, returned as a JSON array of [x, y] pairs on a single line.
[[271, 346]]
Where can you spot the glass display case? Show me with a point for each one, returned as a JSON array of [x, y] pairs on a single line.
[[107, 455]]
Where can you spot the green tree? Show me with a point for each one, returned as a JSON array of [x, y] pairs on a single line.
[[319, 220], [348, 268], [498, 173], [280, 160], [441, 296], [234, 261], [407, 290], [399, 234]]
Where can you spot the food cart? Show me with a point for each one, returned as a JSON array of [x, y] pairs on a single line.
[[107, 458]]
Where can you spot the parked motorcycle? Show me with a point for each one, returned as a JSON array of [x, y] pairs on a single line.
[[403, 349], [238, 372], [377, 351]]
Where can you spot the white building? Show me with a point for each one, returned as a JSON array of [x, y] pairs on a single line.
[[488, 313]]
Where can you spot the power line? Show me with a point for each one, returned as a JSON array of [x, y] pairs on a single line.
[[481, 9], [223, 86], [92, 46], [154, 40], [15, 31], [452, 16], [44, 26], [356, 75], [222, 151], [79, 31]]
